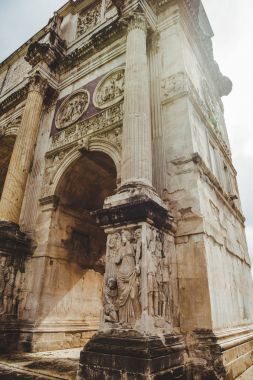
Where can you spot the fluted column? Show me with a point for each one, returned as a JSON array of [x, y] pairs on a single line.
[[21, 159], [137, 149]]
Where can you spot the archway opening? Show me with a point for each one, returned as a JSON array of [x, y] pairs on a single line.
[[77, 247], [6, 148]]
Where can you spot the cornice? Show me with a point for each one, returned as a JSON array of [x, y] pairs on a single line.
[[213, 181], [98, 41], [15, 98]]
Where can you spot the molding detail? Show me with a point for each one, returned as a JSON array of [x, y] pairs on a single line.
[[204, 170], [72, 109], [15, 98], [107, 118], [110, 90], [179, 85], [102, 132], [11, 128]]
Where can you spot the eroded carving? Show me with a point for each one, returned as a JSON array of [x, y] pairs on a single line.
[[88, 19], [72, 109], [122, 278], [110, 90], [87, 127], [16, 74], [10, 285], [179, 85], [157, 276], [128, 263]]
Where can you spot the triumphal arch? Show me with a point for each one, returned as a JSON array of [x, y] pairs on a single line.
[[119, 212]]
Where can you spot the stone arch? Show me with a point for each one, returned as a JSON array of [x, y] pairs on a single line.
[[94, 145], [76, 245]]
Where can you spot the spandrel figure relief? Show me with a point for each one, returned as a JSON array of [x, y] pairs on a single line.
[[72, 109]]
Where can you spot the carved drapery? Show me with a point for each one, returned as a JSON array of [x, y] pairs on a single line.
[[12, 292], [137, 275]]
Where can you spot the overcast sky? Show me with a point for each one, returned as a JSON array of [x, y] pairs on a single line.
[[232, 22]]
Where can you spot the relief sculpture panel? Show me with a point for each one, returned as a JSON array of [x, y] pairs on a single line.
[[11, 271], [110, 90], [88, 19], [72, 109], [135, 272], [122, 279]]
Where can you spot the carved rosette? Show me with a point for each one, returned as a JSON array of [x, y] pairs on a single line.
[[72, 109], [110, 90]]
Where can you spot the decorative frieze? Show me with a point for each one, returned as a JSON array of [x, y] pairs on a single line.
[[72, 109], [88, 19], [107, 118], [110, 90], [15, 98]]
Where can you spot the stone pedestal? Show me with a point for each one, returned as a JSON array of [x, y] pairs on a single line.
[[136, 339], [130, 355]]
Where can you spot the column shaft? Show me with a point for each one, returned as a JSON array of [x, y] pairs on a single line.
[[137, 148], [21, 160]]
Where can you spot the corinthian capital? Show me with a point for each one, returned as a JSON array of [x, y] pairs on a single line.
[[38, 83], [137, 20]]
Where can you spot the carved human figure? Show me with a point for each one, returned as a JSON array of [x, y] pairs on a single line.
[[113, 246], [110, 298], [128, 298], [8, 292], [4, 276], [72, 109], [88, 20], [152, 270]]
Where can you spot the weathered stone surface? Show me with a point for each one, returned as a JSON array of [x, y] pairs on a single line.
[[119, 208]]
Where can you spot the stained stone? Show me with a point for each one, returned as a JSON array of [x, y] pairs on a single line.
[[121, 229]]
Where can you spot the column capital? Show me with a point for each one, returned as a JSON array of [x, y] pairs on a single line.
[[137, 20], [38, 83]]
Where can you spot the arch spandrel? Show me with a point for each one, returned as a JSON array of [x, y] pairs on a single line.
[[108, 142]]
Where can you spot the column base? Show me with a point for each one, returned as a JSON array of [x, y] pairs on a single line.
[[129, 355], [221, 355]]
